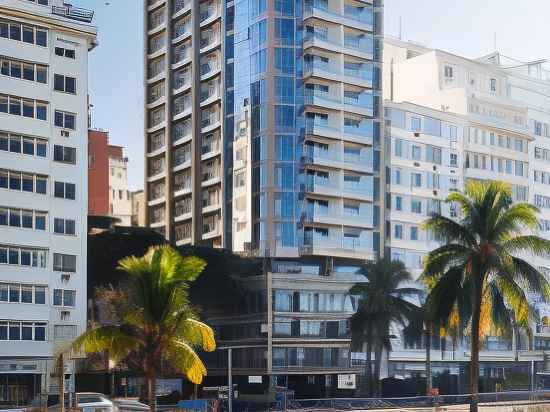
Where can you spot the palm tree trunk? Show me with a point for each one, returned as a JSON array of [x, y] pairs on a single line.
[[429, 359], [474, 355], [368, 369], [377, 367], [61, 376], [152, 390]]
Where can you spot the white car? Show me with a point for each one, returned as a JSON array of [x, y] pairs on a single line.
[[127, 405], [95, 402]]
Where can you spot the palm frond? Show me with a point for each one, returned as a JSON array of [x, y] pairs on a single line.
[[184, 358], [199, 334], [118, 340]]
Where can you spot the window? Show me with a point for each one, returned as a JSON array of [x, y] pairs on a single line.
[[398, 232], [65, 120], [416, 206], [23, 107], [65, 84], [416, 152], [398, 203], [64, 263], [453, 160], [27, 34], [416, 179], [62, 52], [64, 154], [21, 70], [414, 233], [416, 124], [64, 190], [16, 330], [64, 332], [64, 226], [493, 85], [63, 297], [284, 31], [284, 60], [448, 72], [399, 147], [13, 255]]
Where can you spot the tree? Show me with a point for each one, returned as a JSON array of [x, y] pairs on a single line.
[[479, 263], [382, 301], [155, 320]]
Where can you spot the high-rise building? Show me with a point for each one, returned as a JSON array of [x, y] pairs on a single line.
[[263, 123], [43, 189], [450, 119]]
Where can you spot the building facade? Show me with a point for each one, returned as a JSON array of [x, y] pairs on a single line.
[[98, 172], [120, 201], [450, 119], [138, 208], [43, 185], [263, 124]]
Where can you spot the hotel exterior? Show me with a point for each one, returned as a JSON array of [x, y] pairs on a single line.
[[43, 190]]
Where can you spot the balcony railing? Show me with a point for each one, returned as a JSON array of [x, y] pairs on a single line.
[[313, 127], [210, 147], [363, 129], [364, 16], [313, 152], [182, 209], [361, 73], [181, 4], [317, 65], [205, 14], [336, 242], [314, 96], [74, 13], [363, 44]]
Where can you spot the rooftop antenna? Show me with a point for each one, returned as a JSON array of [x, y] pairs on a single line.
[[495, 41], [400, 27]]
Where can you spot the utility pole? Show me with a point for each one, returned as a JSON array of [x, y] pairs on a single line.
[[429, 360], [61, 376]]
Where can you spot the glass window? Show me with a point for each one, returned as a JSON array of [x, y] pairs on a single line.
[[57, 297], [28, 71], [69, 298], [40, 295], [284, 31], [26, 294], [15, 293], [15, 31], [41, 74], [41, 184], [41, 111], [41, 146], [284, 60], [4, 292], [26, 331], [284, 90], [15, 181], [27, 219], [41, 37], [284, 7], [284, 147], [15, 106], [40, 332], [15, 144], [40, 221], [14, 331]]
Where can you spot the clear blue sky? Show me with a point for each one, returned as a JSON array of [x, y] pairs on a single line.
[[465, 27]]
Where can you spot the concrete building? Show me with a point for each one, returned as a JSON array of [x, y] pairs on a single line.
[[138, 208], [43, 190], [450, 119], [108, 193], [120, 202], [98, 172], [263, 125]]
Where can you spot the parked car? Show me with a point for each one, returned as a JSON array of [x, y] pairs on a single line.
[[124, 405], [95, 402]]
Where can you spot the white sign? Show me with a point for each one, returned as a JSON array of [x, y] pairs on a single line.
[[254, 379], [346, 381]]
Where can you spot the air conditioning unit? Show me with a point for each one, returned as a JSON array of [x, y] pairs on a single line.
[[65, 277], [416, 134], [435, 192], [65, 133], [417, 164], [65, 315], [435, 168]]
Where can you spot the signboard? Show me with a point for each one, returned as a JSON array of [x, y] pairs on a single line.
[[254, 379], [346, 381]]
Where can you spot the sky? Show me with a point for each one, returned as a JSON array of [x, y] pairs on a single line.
[[464, 27]]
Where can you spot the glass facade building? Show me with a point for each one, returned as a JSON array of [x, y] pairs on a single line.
[[269, 137]]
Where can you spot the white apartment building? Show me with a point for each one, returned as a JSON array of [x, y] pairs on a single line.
[[120, 199], [44, 47], [450, 119]]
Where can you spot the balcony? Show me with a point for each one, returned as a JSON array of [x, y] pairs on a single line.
[[182, 210], [74, 13], [337, 243], [359, 74], [211, 177], [352, 16], [208, 14], [321, 40], [336, 216], [181, 6], [182, 81], [210, 122], [364, 46], [322, 129], [318, 68], [362, 103], [322, 99], [209, 69], [209, 96], [361, 132], [210, 149]]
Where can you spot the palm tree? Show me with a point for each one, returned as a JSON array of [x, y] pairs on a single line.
[[155, 320], [479, 263], [382, 301]]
